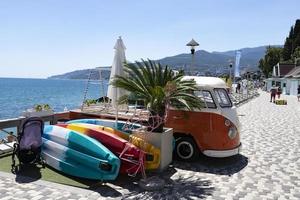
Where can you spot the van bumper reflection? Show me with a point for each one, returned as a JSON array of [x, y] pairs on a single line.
[[223, 153]]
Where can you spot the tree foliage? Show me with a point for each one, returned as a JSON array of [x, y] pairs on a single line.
[[262, 67], [289, 52], [296, 55], [287, 49], [272, 57], [159, 87], [291, 42]]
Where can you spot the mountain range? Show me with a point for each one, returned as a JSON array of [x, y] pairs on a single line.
[[209, 63]]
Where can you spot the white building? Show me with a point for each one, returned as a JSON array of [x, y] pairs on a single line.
[[287, 76]]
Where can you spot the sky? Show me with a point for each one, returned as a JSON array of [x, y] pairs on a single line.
[[40, 38]]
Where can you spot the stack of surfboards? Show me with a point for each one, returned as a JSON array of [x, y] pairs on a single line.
[[97, 149], [78, 155], [132, 158], [123, 130]]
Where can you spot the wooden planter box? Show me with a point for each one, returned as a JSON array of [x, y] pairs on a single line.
[[163, 141]]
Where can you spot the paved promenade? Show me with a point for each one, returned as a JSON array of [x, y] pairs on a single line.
[[268, 167]]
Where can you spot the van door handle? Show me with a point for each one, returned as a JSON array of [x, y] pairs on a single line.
[[177, 117]]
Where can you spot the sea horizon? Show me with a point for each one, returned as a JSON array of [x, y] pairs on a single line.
[[20, 94], [41, 78]]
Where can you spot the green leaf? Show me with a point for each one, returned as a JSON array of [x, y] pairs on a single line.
[[158, 86]]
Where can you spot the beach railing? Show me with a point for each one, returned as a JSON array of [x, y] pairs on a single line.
[[242, 97], [17, 122], [10, 127]]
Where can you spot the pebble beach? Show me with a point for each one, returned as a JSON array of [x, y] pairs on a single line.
[[267, 168]]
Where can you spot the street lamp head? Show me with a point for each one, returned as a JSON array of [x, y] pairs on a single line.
[[192, 44]]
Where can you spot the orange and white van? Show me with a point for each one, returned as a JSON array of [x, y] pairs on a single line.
[[214, 130]]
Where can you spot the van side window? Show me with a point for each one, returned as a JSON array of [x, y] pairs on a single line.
[[223, 98], [206, 98]]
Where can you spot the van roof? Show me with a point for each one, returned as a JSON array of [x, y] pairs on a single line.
[[207, 82]]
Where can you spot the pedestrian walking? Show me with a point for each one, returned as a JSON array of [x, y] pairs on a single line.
[[238, 88], [279, 91], [273, 92]]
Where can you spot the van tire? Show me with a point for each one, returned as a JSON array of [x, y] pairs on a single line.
[[186, 149]]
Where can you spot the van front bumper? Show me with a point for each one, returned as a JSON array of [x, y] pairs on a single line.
[[223, 153]]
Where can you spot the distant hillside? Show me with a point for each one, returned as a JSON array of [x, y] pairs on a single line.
[[206, 61], [203, 62], [84, 74]]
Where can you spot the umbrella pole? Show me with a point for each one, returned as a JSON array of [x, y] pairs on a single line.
[[117, 115], [117, 108], [102, 85]]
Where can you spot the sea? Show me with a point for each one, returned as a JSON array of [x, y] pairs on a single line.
[[20, 94]]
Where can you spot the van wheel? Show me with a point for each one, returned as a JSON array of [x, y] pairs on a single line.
[[186, 149]]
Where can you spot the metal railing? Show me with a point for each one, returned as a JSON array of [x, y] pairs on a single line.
[[243, 96], [13, 126]]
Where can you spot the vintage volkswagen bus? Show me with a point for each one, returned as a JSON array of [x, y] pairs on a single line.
[[214, 130]]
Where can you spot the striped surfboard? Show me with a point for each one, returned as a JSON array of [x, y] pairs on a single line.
[[78, 155], [152, 153]]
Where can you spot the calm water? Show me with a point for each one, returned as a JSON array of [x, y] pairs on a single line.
[[17, 95]]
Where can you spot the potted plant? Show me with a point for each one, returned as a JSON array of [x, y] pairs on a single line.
[[159, 87], [38, 110]]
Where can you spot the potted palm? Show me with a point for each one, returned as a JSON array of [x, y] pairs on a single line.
[[159, 87]]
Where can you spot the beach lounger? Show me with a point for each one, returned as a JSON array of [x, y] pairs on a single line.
[[6, 147]]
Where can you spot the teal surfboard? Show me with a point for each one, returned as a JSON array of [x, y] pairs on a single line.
[[78, 155]]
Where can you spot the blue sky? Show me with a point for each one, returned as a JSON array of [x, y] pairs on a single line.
[[39, 38]]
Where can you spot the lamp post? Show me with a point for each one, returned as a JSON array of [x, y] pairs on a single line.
[[192, 44], [248, 80], [230, 67]]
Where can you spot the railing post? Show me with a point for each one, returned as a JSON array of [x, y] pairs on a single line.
[[54, 120]]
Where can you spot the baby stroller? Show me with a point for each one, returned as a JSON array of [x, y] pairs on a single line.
[[29, 144]]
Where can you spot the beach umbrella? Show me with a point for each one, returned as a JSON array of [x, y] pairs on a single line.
[[117, 69]]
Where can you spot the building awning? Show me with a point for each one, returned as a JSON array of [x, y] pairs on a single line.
[[293, 73], [282, 69]]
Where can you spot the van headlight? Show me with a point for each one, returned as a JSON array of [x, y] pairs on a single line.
[[232, 132], [227, 122]]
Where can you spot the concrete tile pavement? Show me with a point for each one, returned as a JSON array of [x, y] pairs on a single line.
[[268, 167]]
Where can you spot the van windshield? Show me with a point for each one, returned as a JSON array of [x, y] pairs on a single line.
[[222, 97], [206, 98]]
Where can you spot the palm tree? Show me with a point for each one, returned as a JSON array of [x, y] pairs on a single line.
[[159, 87]]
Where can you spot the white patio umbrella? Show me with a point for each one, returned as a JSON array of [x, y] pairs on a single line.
[[117, 69]]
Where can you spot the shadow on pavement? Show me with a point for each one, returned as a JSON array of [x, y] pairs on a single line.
[[222, 166], [176, 186], [105, 190]]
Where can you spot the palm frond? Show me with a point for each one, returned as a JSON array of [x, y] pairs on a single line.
[[158, 86]]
